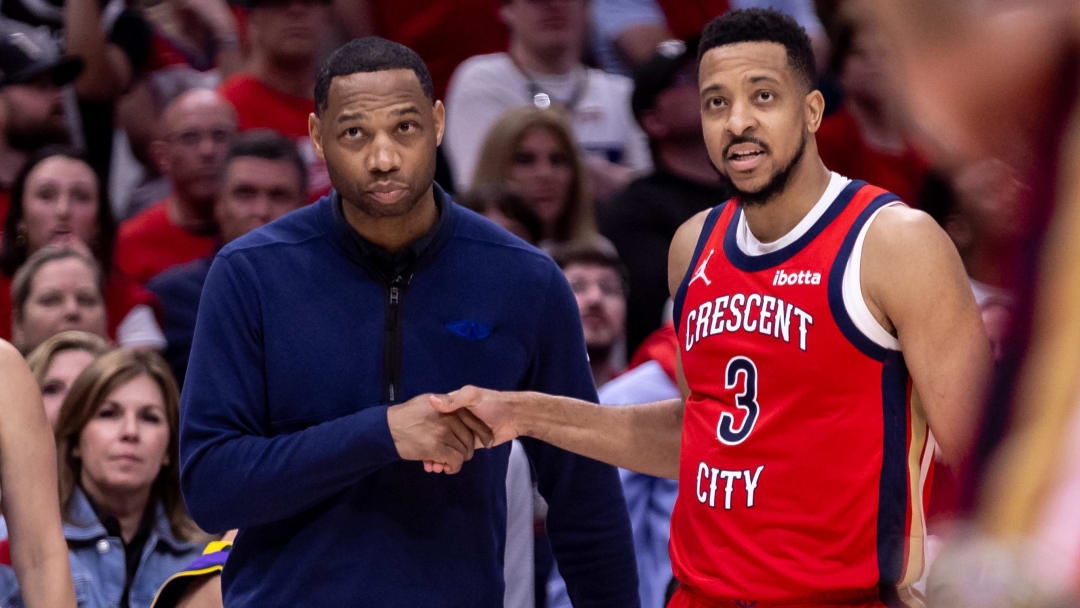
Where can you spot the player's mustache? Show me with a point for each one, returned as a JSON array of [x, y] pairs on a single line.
[[744, 139]]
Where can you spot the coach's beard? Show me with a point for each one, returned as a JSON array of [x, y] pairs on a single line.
[[775, 186]]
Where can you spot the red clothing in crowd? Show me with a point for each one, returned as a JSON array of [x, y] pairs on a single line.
[[686, 18], [121, 295], [150, 242], [843, 150], [443, 33], [5, 202], [261, 107]]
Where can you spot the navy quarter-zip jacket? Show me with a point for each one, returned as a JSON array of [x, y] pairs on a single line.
[[302, 342]]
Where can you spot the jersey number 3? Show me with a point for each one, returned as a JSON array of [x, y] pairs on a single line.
[[745, 400]]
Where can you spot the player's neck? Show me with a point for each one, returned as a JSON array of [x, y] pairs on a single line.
[[296, 79], [397, 232], [555, 61], [778, 216]]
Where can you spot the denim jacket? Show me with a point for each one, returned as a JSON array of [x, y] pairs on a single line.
[[98, 566]]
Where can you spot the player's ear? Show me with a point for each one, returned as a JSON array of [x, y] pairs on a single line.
[[314, 124], [438, 115], [815, 110]]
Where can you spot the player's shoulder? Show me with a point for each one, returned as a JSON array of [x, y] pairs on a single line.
[[899, 229], [687, 234]]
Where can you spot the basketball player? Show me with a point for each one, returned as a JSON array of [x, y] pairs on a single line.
[[828, 338]]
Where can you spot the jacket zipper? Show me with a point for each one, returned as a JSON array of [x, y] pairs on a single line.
[[392, 339]]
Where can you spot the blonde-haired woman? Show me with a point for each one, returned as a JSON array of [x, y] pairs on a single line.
[[56, 363], [28, 478], [532, 151], [124, 518]]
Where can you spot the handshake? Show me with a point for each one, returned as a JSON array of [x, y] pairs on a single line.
[[444, 430]]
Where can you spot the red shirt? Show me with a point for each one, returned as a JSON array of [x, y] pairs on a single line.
[[5, 203], [260, 107], [121, 295], [443, 33], [843, 150], [802, 460], [686, 18], [149, 243]]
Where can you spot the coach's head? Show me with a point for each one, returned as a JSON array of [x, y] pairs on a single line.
[[377, 125]]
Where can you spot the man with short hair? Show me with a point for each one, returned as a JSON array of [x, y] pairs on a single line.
[[827, 339], [641, 219], [197, 128], [265, 178], [32, 74], [543, 67], [306, 411], [598, 280], [274, 92]]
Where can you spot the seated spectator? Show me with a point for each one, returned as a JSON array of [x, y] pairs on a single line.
[[532, 152], [124, 519], [56, 363], [57, 199], [265, 178], [56, 290], [500, 205], [198, 126], [642, 218], [28, 478], [865, 138], [277, 90], [542, 67], [32, 74], [599, 282]]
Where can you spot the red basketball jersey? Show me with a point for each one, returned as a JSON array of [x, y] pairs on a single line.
[[803, 460]]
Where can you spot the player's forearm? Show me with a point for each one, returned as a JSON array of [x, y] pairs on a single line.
[[233, 480], [643, 437]]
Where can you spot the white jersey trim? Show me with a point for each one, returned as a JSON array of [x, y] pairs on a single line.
[[750, 245], [854, 302]]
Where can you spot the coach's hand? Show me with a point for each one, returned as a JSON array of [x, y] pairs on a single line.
[[446, 441]]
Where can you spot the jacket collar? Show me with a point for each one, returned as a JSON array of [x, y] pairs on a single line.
[[82, 525], [415, 255]]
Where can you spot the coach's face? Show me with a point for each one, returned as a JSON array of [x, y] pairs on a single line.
[[756, 112], [378, 136]]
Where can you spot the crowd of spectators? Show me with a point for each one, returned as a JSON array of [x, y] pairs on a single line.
[[136, 141]]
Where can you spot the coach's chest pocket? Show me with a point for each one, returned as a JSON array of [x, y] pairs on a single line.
[[468, 351]]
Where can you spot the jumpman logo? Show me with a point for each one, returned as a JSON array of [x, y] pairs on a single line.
[[700, 272]]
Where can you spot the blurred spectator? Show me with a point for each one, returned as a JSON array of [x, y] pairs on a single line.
[[125, 521], [641, 219], [264, 179], [626, 32], [57, 199], [599, 282], [532, 151], [865, 138], [56, 363], [277, 89], [197, 128], [502, 206], [201, 34], [541, 68], [32, 115], [54, 291]]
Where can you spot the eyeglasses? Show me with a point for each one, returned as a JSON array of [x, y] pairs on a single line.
[[194, 137]]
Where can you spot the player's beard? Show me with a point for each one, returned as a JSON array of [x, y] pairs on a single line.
[[776, 184]]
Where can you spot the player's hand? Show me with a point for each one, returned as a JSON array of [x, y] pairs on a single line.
[[494, 408], [445, 440]]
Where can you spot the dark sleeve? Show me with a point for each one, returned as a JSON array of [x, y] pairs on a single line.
[[587, 521], [235, 473], [132, 34]]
